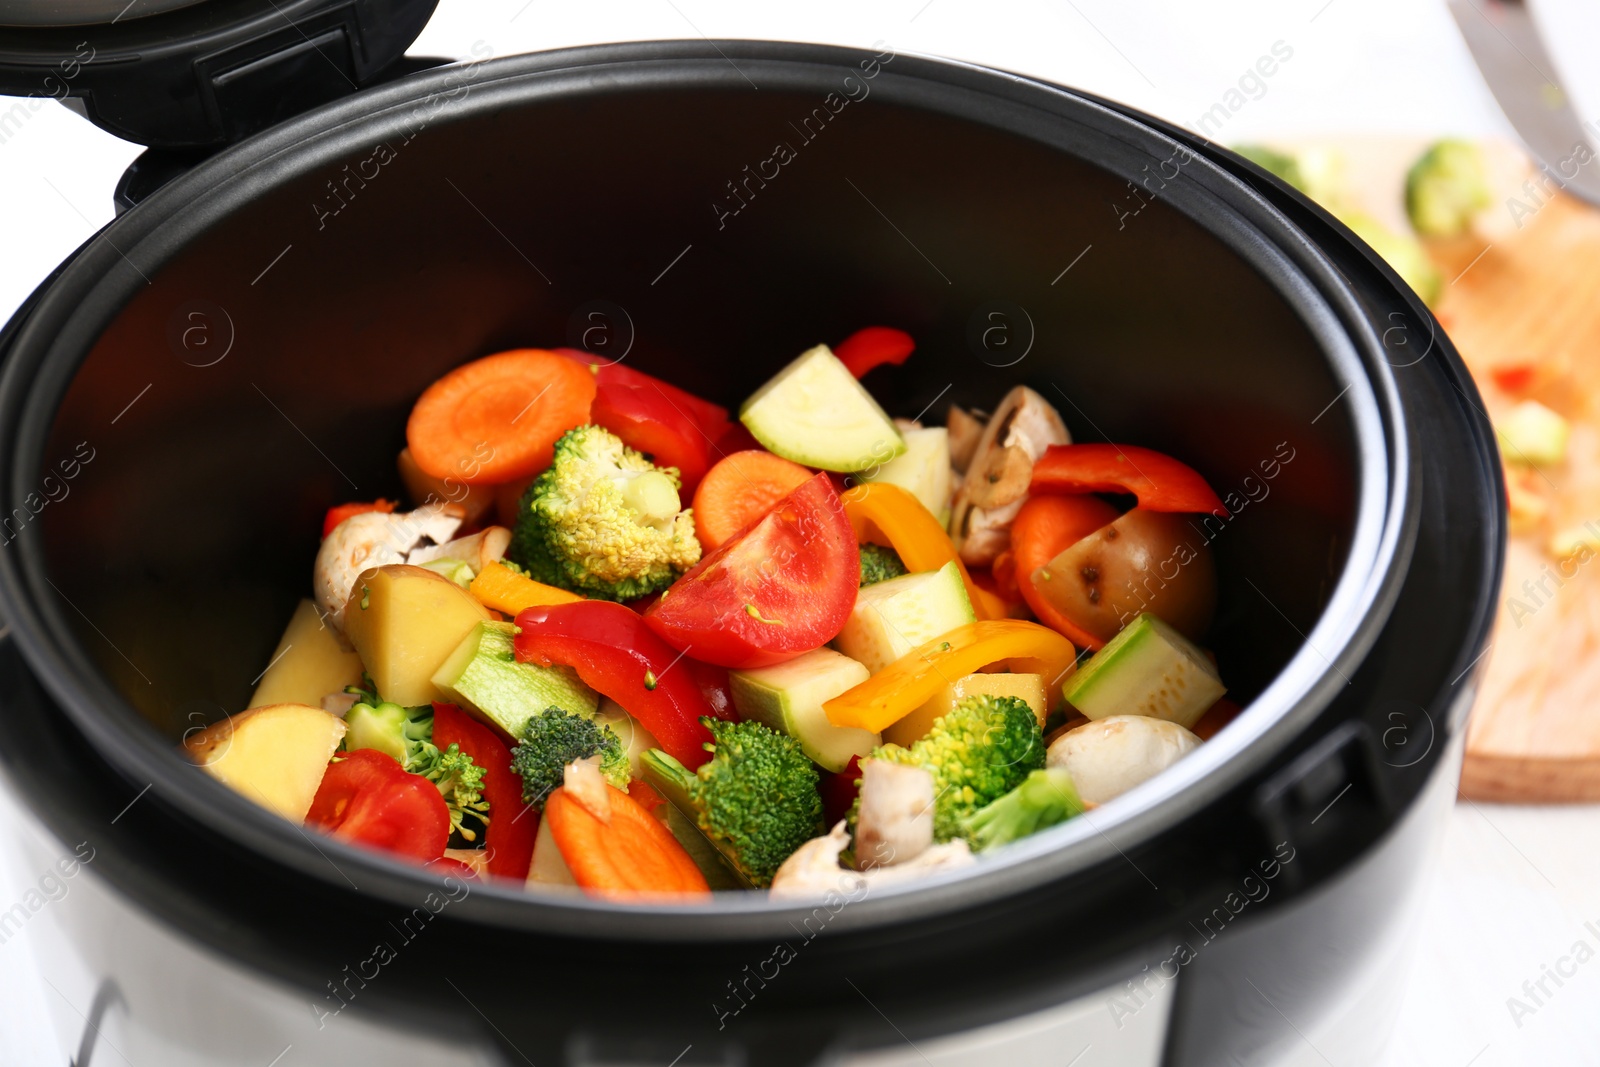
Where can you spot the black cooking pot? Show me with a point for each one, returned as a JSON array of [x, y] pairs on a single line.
[[182, 401]]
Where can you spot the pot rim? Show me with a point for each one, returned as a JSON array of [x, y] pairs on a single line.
[[95, 287]]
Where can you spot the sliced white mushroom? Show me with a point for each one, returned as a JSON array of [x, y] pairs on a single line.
[[946, 857], [1110, 756], [475, 550], [895, 822], [1027, 422], [813, 868], [965, 432], [374, 539]]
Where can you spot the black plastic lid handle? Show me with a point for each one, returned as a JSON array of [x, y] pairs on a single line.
[[212, 72]]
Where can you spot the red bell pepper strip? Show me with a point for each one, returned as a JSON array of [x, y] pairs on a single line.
[[513, 825], [368, 798], [873, 347], [713, 418], [647, 422], [1160, 482], [614, 652], [341, 512], [839, 791], [713, 682], [447, 867]]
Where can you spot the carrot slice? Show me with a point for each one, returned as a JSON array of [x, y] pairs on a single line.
[[633, 853], [1042, 530], [740, 489], [496, 419], [503, 589]]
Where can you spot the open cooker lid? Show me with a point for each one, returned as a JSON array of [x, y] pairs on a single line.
[[196, 74]]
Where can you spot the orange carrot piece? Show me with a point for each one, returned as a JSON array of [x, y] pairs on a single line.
[[740, 489], [632, 854], [496, 419]]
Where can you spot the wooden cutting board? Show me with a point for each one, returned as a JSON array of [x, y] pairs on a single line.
[[1532, 298], [1519, 296]]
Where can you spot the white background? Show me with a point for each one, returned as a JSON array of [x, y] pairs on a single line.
[[1514, 886]]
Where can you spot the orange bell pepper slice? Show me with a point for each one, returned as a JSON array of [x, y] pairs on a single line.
[[503, 589], [919, 675], [880, 510]]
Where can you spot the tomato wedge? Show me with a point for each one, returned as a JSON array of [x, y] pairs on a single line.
[[873, 347], [513, 825], [1160, 482], [712, 418], [366, 797], [614, 652], [648, 422], [340, 512], [783, 586]]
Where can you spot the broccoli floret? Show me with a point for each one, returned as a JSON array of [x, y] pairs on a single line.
[[407, 735], [756, 799], [1043, 799], [604, 521], [977, 752], [879, 564], [554, 738], [1446, 188]]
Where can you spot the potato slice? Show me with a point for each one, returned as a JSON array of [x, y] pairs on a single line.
[[404, 622], [274, 755], [309, 663]]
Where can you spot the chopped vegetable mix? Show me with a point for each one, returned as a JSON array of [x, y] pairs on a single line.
[[699, 654]]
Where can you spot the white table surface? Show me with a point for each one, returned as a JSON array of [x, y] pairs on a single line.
[[1514, 886]]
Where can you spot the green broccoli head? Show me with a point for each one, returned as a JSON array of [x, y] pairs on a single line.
[[603, 521], [407, 735], [756, 799], [1043, 799], [1279, 164], [879, 564], [1446, 188], [554, 738], [979, 751]]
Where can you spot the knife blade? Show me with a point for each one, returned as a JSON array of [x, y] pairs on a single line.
[[1506, 46]]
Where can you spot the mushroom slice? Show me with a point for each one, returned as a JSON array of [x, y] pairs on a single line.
[[475, 550], [1108, 757], [895, 823], [949, 856], [374, 539], [1025, 421], [813, 868], [1002, 480], [965, 432]]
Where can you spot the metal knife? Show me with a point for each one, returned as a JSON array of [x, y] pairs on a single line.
[[1506, 45]]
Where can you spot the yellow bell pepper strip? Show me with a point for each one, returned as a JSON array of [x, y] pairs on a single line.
[[503, 589], [878, 509], [913, 679]]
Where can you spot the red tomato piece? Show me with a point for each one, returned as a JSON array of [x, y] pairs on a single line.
[[873, 347], [1160, 482], [648, 422], [614, 652], [713, 418], [1515, 377], [368, 798], [340, 512], [445, 866], [783, 586], [513, 825]]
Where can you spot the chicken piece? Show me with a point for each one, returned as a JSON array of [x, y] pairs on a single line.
[[895, 821], [1025, 421], [374, 539], [949, 856]]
